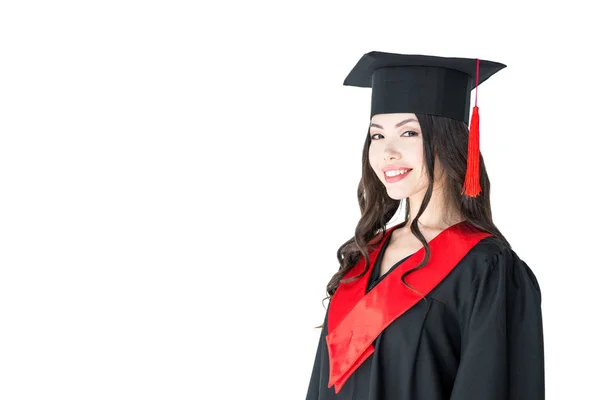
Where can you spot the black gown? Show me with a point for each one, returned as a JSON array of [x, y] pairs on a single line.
[[479, 336]]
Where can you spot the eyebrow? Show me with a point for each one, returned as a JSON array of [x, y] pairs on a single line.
[[398, 125]]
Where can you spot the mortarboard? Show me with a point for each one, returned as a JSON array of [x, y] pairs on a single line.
[[411, 83]]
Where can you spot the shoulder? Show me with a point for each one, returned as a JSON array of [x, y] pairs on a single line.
[[486, 255], [489, 264], [495, 259]]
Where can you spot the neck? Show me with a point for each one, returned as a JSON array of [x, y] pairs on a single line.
[[438, 215]]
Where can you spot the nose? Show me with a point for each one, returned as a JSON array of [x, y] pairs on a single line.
[[391, 154]]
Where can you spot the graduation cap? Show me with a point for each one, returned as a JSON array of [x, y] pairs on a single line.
[[421, 84]]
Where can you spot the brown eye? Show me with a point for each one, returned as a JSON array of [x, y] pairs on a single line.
[[375, 134], [413, 133]]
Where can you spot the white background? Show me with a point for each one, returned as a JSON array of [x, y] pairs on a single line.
[[176, 178]]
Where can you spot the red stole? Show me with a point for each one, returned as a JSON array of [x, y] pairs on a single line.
[[355, 319]]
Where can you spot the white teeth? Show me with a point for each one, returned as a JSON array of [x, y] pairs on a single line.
[[396, 172]]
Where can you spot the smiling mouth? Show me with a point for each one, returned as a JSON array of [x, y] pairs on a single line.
[[397, 177]]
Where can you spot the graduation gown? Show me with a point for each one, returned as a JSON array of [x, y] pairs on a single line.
[[478, 336]]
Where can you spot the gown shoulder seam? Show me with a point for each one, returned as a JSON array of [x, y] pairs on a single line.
[[446, 306]]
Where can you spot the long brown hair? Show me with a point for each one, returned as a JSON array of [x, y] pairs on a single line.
[[446, 138]]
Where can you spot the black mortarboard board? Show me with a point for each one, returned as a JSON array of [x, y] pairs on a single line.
[[420, 84]]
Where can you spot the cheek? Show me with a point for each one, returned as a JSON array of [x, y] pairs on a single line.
[[372, 157]]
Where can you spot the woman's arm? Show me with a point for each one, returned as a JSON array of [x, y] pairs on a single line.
[[502, 348]]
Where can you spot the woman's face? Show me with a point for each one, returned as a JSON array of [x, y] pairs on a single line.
[[397, 144]]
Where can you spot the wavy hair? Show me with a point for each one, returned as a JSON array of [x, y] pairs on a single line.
[[445, 138]]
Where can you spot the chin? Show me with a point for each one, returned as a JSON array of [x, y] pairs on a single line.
[[398, 194]]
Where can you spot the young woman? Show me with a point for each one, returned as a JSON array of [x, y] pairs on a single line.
[[439, 306]]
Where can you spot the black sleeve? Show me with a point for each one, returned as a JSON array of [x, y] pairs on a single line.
[[502, 349], [319, 379], [315, 378]]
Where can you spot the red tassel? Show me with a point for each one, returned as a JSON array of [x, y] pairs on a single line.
[[471, 185]]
